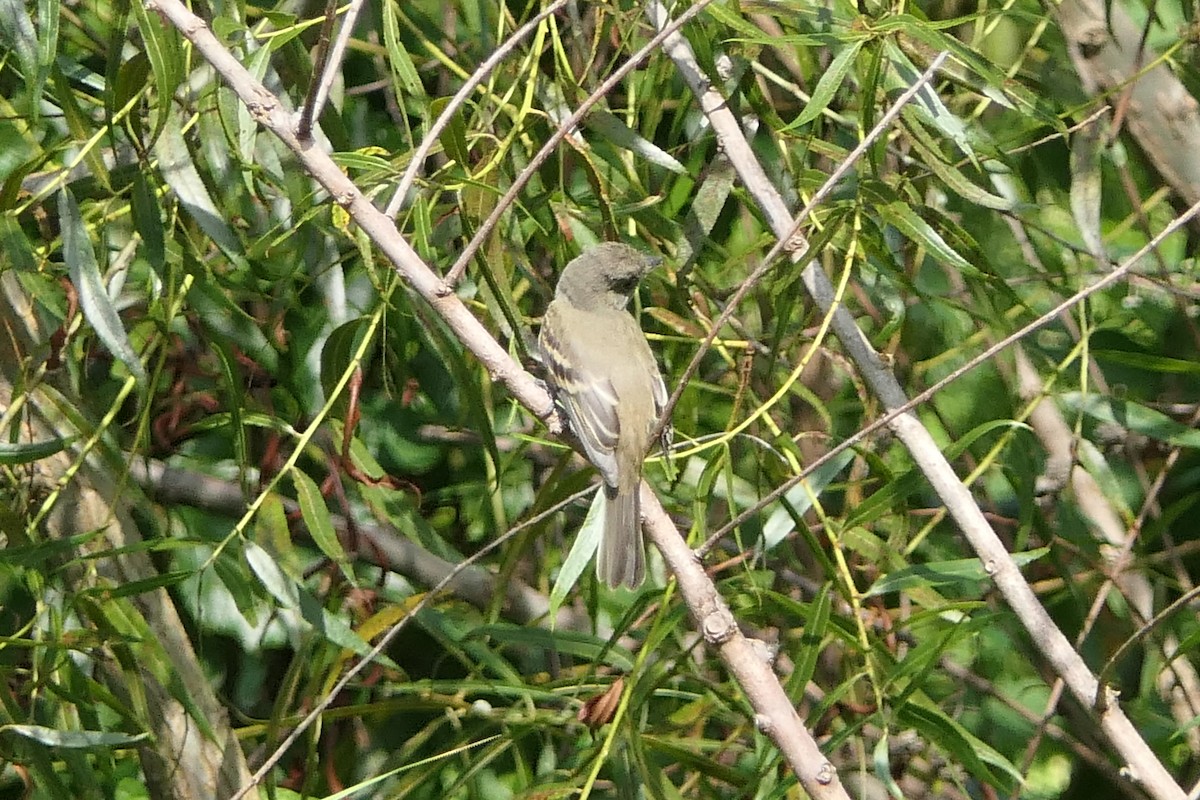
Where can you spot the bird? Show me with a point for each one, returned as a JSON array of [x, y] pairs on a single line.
[[606, 379]]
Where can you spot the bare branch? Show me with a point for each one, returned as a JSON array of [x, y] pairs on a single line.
[[773, 710], [1142, 764]]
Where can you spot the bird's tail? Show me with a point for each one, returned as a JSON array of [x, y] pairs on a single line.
[[622, 557]]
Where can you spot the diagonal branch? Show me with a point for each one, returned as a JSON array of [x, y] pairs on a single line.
[[773, 710], [1142, 764]]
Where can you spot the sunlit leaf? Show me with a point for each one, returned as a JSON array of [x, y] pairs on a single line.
[[958, 572], [97, 306], [1132, 416]]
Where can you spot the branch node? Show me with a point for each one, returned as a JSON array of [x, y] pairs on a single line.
[[797, 244], [717, 627], [766, 651], [826, 774], [1106, 696], [763, 723]]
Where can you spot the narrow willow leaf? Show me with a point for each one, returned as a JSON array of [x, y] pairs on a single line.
[[79, 123], [946, 733], [827, 86], [681, 752], [338, 352], [230, 322], [901, 216], [133, 588], [926, 103], [73, 740], [883, 766], [291, 595], [162, 47], [180, 173], [408, 81], [1085, 188], [955, 180], [610, 127], [453, 137], [996, 84], [1132, 416], [274, 580], [49, 19], [800, 498], [583, 645], [734, 20], [32, 451], [943, 573], [318, 520], [336, 630], [707, 202], [814, 632], [20, 37], [587, 542], [43, 554], [1148, 362], [97, 307]]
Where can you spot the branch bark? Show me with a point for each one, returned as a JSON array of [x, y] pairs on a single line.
[[190, 757], [1142, 765], [773, 711]]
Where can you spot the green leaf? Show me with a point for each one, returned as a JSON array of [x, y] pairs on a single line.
[[78, 122], [408, 81], [318, 521], [901, 216], [74, 740], [814, 633], [164, 50], [20, 37], [338, 353], [228, 321], [179, 171], [29, 452], [943, 573], [955, 180], [827, 86], [582, 645], [1132, 416], [800, 497], [293, 596], [42, 554], [587, 542], [97, 307], [1148, 361], [613, 129], [968, 750], [142, 586], [1086, 189]]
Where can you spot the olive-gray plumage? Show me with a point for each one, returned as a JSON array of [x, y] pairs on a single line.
[[607, 381]]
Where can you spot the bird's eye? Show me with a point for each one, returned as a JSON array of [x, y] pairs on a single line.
[[625, 285]]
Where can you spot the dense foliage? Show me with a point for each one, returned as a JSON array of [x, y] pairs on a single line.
[[219, 398]]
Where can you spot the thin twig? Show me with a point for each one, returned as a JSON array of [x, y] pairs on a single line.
[[983, 357], [477, 77], [1142, 764], [320, 65], [792, 241], [392, 632], [567, 125]]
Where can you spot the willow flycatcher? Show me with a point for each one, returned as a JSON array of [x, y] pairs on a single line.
[[606, 379]]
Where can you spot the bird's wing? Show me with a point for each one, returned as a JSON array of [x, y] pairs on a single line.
[[589, 400]]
